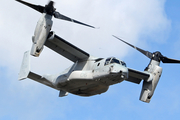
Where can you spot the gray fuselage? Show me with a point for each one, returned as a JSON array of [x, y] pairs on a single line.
[[87, 78]]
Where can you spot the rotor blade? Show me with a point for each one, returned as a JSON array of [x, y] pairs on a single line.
[[60, 16], [169, 60], [39, 8], [146, 53]]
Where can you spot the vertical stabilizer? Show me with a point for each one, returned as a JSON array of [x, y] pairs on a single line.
[[25, 66]]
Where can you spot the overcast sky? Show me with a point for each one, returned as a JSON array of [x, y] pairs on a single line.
[[153, 25]]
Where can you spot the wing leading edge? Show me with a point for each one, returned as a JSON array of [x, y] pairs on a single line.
[[136, 76], [66, 49]]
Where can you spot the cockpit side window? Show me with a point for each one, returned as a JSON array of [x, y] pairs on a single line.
[[107, 61], [123, 63], [115, 61]]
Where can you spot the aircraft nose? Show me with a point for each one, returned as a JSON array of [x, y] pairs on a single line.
[[123, 74], [120, 70]]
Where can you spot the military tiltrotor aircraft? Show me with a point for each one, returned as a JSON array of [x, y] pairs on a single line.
[[44, 25], [90, 75]]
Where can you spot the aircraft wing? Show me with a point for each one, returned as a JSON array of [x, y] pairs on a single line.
[[136, 76], [66, 49]]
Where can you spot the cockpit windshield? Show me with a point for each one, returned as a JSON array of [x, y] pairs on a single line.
[[114, 60]]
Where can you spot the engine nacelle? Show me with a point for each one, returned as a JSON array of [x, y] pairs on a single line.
[[35, 51], [41, 33], [149, 86]]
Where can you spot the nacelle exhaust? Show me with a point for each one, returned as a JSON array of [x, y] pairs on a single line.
[[35, 51]]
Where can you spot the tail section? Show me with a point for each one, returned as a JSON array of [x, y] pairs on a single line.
[[26, 73]]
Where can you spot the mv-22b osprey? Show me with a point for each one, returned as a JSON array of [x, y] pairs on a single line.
[[88, 75]]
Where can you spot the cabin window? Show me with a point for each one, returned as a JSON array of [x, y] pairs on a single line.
[[98, 64]]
